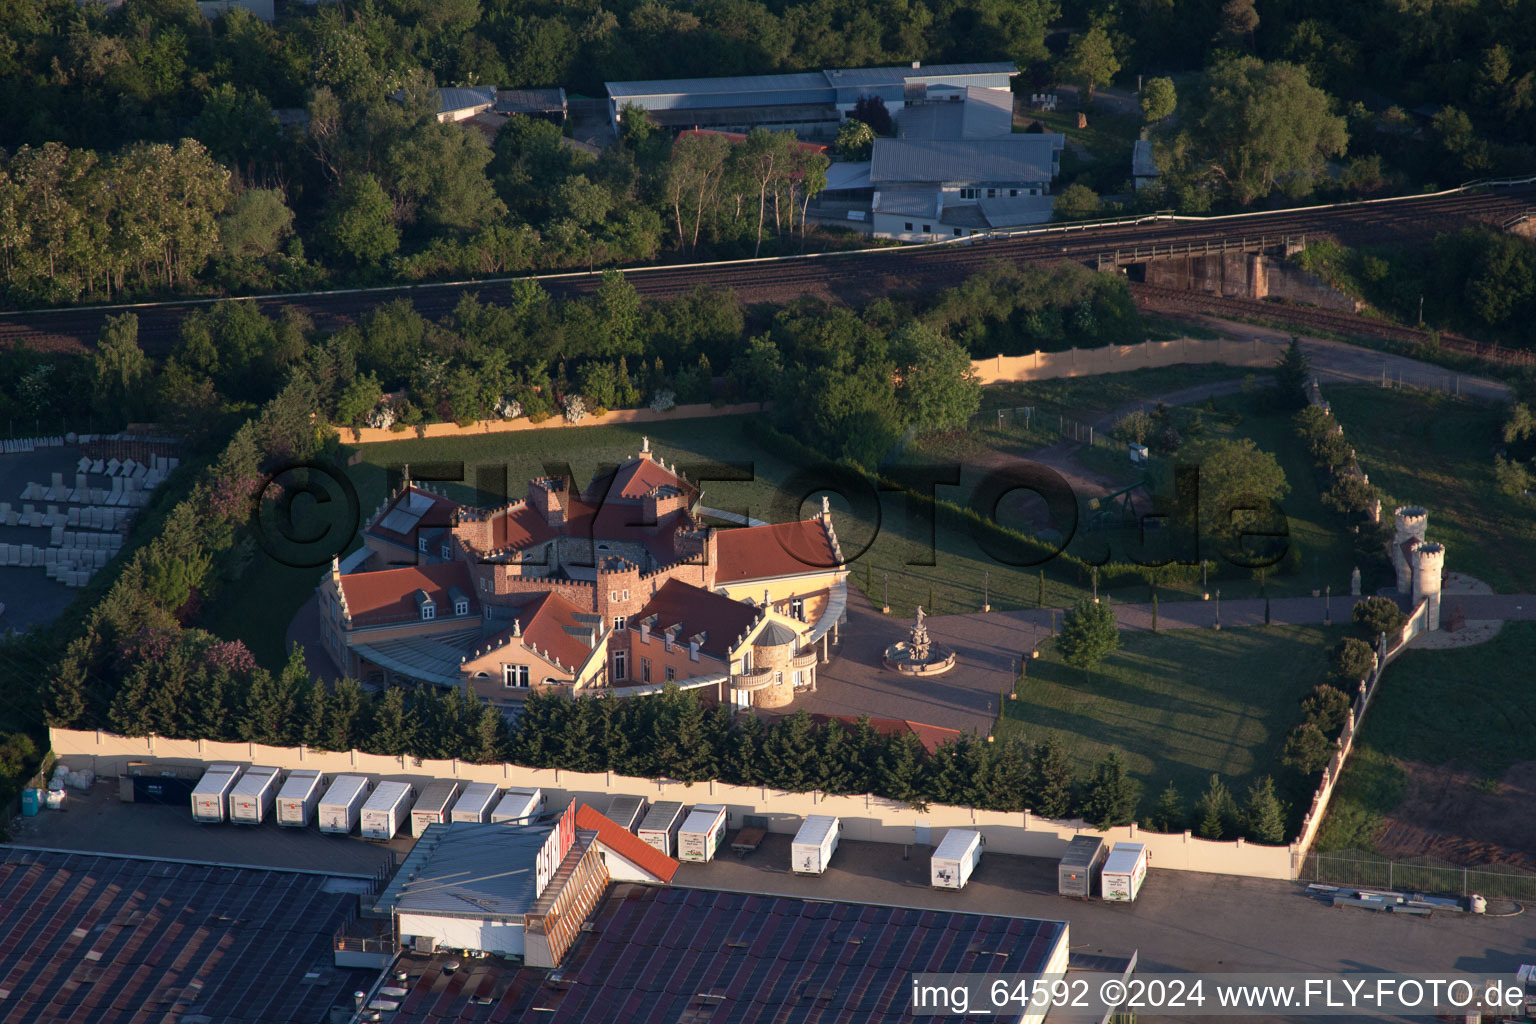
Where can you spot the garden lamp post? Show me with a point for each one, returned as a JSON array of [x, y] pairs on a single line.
[[1328, 605], [986, 591], [1205, 589], [887, 607], [1218, 607]]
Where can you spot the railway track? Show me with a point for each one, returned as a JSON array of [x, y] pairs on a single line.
[[864, 273], [1174, 301]]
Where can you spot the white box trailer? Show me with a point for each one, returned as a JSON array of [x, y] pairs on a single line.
[[251, 800], [955, 858], [210, 797], [387, 809], [702, 833], [432, 808], [1124, 871], [476, 802], [300, 795], [814, 844], [342, 806], [519, 805], [627, 811], [661, 825]]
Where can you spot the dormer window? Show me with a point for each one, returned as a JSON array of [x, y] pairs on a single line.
[[428, 610], [421, 544], [461, 606], [446, 551]]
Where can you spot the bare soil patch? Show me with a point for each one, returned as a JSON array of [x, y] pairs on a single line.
[[1450, 814]]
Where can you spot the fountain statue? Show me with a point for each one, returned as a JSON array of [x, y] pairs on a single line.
[[918, 655]]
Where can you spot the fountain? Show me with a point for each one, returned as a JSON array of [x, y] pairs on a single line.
[[918, 655]]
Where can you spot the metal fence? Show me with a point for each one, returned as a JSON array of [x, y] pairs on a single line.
[[1027, 423], [1354, 868]]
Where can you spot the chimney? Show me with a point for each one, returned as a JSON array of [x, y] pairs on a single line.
[[916, 64]]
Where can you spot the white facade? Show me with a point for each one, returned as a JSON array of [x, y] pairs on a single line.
[[489, 935]]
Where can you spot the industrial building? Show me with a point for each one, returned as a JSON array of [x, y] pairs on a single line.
[[113, 939], [666, 955], [811, 103]]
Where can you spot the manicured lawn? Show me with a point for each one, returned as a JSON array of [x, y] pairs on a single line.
[[1472, 706], [1436, 451], [1180, 705]]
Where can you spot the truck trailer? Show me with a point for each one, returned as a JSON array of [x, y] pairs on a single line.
[[210, 797], [476, 802], [1078, 870], [518, 806], [387, 809], [1124, 871], [342, 806], [955, 858], [702, 833], [661, 825], [432, 808], [814, 844], [627, 811], [251, 800], [300, 795]]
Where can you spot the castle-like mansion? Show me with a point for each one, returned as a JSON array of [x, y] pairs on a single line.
[[619, 587]]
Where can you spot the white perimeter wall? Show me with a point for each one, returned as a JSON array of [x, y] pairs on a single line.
[[865, 818]]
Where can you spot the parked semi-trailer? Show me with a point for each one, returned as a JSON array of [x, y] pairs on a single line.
[[210, 797], [342, 806], [252, 798], [299, 797]]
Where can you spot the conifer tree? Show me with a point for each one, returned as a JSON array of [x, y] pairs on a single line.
[[210, 694], [346, 724], [490, 739], [1112, 796], [1292, 373], [1010, 776], [1051, 780], [1263, 818], [129, 713], [1089, 633], [1168, 813], [65, 705], [791, 759], [743, 761], [1217, 810], [867, 747], [316, 705], [392, 733], [839, 762], [901, 770]]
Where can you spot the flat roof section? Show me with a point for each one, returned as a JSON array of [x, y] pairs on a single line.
[[652, 952], [114, 939]]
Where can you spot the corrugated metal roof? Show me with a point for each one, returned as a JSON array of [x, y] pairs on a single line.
[[459, 98], [815, 80], [653, 950], [933, 74], [529, 101], [906, 202], [1142, 163], [984, 114], [467, 868], [1012, 160], [112, 940], [848, 174], [1012, 211]]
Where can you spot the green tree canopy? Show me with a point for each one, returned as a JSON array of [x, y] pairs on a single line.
[[1256, 126], [361, 225], [936, 385], [1092, 59], [1292, 375], [1076, 202], [1158, 99], [1111, 796], [1089, 634], [855, 140]]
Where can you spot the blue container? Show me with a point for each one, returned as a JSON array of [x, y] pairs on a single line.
[[31, 802]]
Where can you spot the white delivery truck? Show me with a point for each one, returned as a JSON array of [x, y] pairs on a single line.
[[518, 806], [386, 810], [432, 808], [1124, 871], [475, 802], [210, 797], [251, 799], [300, 795], [702, 833], [342, 806], [955, 858], [814, 844], [661, 825], [627, 811]]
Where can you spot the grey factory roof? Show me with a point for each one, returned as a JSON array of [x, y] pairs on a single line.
[[116, 939], [1143, 164], [1012, 211], [530, 101], [653, 950], [469, 868], [984, 114], [906, 202], [1011, 160], [458, 98], [867, 78]]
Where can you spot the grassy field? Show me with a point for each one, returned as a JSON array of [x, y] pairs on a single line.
[[1464, 706], [1180, 705], [1436, 451], [1108, 140]]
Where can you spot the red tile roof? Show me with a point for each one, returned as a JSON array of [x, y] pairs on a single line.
[[932, 736], [377, 598], [626, 844], [778, 549], [544, 623], [634, 480], [698, 611], [738, 137], [439, 515]]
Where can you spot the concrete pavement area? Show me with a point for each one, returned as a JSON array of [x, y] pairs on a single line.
[[1182, 921], [101, 823]]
